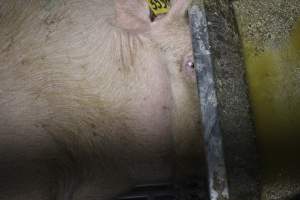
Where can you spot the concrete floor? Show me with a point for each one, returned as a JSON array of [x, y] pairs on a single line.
[[256, 46], [270, 34]]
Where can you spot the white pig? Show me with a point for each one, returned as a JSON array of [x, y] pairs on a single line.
[[94, 98]]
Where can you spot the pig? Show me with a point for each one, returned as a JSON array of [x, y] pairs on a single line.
[[95, 98]]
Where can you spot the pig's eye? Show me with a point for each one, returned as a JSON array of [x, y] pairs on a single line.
[[188, 67], [190, 64]]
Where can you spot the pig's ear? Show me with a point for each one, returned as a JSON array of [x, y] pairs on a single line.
[[133, 15], [179, 8]]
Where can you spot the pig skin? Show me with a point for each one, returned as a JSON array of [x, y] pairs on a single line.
[[93, 99]]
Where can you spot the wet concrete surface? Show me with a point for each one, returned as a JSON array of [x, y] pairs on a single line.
[[270, 35]]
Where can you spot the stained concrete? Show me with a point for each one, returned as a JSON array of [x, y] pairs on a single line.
[[234, 107], [256, 50], [270, 35]]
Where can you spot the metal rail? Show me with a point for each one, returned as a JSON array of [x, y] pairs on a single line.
[[216, 170]]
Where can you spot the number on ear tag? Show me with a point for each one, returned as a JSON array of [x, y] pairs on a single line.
[[159, 6]]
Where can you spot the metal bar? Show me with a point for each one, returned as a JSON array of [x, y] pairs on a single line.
[[151, 192], [217, 180]]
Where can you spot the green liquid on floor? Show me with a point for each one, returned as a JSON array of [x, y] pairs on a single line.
[[274, 81]]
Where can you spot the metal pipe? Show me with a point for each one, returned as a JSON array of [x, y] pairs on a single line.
[[216, 170]]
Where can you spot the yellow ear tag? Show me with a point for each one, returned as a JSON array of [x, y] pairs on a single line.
[[159, 6]]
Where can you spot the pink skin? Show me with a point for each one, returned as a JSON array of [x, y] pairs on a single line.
[[94, 98]]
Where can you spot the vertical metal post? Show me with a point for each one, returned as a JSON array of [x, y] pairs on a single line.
[[217, 180]]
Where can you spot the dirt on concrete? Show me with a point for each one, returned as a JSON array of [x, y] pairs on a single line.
[[270, 35], [256, 55], [234, 106]]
